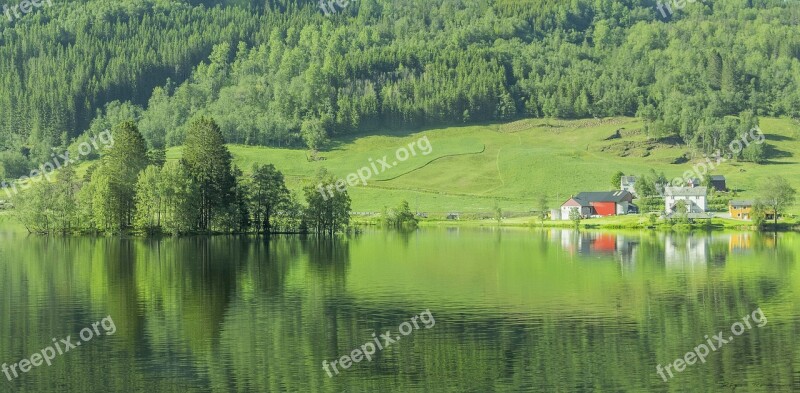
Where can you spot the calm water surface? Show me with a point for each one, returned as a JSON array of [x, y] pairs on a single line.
[[512, 310]]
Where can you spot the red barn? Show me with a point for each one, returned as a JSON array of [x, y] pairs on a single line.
[[608, 203]]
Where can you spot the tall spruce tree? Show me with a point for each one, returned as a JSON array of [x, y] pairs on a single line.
[[208, 162], [268, 193], [115, 178]]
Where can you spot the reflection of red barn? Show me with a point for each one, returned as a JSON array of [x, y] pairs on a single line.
[[605, 242]]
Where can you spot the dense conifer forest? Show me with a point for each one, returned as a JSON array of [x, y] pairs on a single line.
[[282, 73]]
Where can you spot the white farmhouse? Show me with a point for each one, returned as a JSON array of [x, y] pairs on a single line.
[[695, 198], [628, 183]]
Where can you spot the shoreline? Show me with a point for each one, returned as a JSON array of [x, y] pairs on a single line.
[[628, 222]]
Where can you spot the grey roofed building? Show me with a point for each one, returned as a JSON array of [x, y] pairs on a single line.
[[693, 197], [741, 203], [685, 191], [627, 183], [718, 182], [586, 198]]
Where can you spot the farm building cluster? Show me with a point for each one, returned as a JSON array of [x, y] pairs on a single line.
[[689, 199]]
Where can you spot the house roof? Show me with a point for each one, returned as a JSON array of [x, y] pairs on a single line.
[[586, 198], [628, 179], [717, 177], [685, 191], [746, 203]]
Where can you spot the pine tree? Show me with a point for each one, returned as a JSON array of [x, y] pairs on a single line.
[[267, 194], [148, 200], [208, 162], [119, 172]]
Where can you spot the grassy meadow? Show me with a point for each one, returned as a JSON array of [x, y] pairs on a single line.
[[470, 169]]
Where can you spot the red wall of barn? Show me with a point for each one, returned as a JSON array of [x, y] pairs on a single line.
[[605, 208]]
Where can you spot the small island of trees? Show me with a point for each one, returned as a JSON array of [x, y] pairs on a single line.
[[131, 189]]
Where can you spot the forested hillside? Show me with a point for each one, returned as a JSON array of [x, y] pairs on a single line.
[[282, 73]]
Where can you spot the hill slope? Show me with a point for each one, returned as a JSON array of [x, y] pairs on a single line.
[[471, 168]]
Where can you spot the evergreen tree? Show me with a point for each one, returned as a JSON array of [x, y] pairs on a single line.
[[180, 195], [327, 213], [208, 162], [117, 175], [148, 200], [267, 194]]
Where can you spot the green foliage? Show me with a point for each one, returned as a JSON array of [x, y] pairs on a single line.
[[280, 73], [235, 216], [777, 195], [575, 217], [543, 206], [650, 204], [718, 202], [35, 208], [616, 180], [652, 219], [13, 164], [268, 195], [645, 187], [758, 214], [148, 200], [208, 161], [157, 156], [682, 212], [313, 134], [327, 213], [180, 199], [114, 181], [400, 218]]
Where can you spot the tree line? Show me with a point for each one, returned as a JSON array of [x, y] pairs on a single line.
[[132, 189], [281, 73]]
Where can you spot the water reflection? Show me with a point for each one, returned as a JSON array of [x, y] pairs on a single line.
[[690, 250], [516, 310]]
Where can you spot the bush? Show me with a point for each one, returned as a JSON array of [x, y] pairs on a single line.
[[650, 204]]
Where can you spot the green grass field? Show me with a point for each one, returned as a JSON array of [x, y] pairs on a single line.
[[472, 168]]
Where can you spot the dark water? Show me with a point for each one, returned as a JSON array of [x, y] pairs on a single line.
[[509, 310]]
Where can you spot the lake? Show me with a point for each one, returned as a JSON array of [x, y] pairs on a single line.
[[467, 310]]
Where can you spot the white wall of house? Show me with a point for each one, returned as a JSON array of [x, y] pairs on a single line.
[[565, 211], [585, 211], [696, 204]]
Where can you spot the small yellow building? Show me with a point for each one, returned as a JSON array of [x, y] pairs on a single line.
[[742, 210]]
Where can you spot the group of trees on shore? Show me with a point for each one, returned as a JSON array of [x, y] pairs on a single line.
[[281, 73], [132, 189]]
